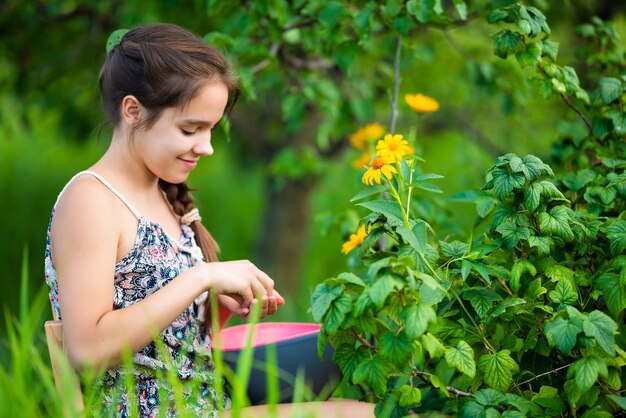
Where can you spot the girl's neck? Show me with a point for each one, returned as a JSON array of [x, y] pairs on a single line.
[[120, 166]]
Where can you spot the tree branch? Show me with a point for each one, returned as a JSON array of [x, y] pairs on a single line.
[[558, 369], [261, 65], [396, 87], [450, 389], [567, 101], [363, 340], [310, 64]]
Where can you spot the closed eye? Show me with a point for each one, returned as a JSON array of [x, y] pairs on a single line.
[[188, 133]]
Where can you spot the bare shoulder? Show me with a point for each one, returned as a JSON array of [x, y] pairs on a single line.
[[85, 219], [86, 200]]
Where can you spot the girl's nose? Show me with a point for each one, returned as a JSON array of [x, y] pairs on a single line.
[[203, 146]]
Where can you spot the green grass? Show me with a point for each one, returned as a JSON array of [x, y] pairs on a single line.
[[27, 385]]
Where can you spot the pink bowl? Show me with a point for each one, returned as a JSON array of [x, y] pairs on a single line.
[[234, 338]]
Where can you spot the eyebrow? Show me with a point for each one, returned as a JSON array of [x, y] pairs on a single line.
[[200, 122]]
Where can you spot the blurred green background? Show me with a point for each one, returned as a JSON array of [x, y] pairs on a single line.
[[287, 211]]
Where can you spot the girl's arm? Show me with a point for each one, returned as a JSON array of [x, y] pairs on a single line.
[[86, 233]]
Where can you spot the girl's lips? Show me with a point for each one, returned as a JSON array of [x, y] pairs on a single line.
[[190, 164]]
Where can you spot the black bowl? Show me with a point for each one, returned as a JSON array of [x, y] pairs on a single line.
[[295, 346]]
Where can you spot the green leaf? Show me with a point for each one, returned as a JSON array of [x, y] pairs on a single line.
[[504, 182], [484, 205], [382, 287], [321, 299], [501, 308], [543, 244], [556, 223], [397, 349], [602, 328], [473, 409], [462, 358], [619, 120], [369, 191], [437, 383], [481, 299], [433, 345], [507, 42], [579, 180], [416, 319], [466, 268], [549, 398], [373, 373], [616, 234], [520, 267], [512, 234], [564, 293], [489, 397], [352, 279], [409, 396], [586, 370], [530, 56], [482, 270], [619, 400], [596, 412], [497, 369], [550, 49], [336, 314], [535, 289], [532, 197], [454, 249], [562, 333], [610, 89], [391, 9], [421, 9], [348, 357], [613, 288], [461, 9], [362, 304], [416, 237], [390, 209], [330, 16], [504, 213], [525, 406], [501, 14], [550, 191]]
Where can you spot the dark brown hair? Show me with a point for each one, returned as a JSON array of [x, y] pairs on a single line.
[[164, 65]]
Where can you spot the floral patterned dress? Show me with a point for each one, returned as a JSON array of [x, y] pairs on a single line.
[[181, 356]]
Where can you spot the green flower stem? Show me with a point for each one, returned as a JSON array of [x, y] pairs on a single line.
[[395, 195], [408, 199]]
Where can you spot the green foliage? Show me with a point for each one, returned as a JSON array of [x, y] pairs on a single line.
[[526, 317]]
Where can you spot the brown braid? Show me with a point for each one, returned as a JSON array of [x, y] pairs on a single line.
[[179, 197]]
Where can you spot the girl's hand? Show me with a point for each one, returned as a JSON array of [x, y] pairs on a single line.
[[269, 307], [242, 281]]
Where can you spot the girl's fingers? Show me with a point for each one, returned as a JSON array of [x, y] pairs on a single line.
[[279, 299], [272, 305], [268, 283]]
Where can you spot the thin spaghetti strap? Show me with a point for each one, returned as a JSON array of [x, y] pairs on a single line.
[[106, 184]]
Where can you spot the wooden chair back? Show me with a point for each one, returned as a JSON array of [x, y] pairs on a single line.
[[64, 377]]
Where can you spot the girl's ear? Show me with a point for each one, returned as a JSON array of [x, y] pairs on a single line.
[[131, 110]]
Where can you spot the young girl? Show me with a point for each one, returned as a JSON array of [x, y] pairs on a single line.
[[127, 255]]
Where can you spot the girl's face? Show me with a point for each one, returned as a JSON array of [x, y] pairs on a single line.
[[171, 148]]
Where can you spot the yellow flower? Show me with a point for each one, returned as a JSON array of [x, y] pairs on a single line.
[[393, 147], [379, 166], [421, 103], [362, 161], [355, 240], [367, 133]]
